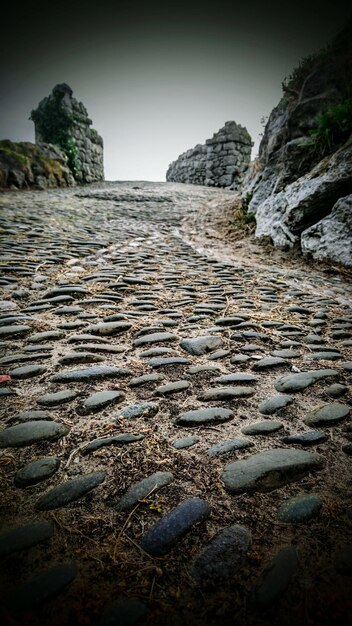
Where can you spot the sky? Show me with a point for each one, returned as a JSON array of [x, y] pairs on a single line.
[[157, 77]]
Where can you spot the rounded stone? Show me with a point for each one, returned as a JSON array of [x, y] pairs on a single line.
[[37, 471], [274, 404], [27, 371], [300, 508], [328, 414], [55, 399]]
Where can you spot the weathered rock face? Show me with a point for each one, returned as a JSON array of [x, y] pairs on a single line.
[[63, 121], [220, 162], [331, 238], [24, 165], [304, 165]]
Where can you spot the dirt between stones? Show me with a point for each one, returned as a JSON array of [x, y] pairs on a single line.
[[179, 282]]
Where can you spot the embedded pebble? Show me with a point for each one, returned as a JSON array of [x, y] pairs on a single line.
[[302, 380], [327, 415], [309, 438], [226, 393], [228, 446], [185, 442], [204, 416], [274, 404], [42, 587], [219, 560], [90, 373], [275, 578], [300, 508], [69, 491], [27, 371], [170, 388], [57, 398], [117, 440], [37, 471], [31, 432], [140, 490], [266, 427], [99, 401], [269, 470], [166, 533], [146, 410], [25, 537]]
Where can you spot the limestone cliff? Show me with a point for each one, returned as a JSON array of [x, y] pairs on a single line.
[[304, 166], [220, 162]]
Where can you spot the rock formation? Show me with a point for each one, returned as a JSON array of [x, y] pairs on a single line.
[[63, 121], [299, 186], [220, 162], [24, 165]]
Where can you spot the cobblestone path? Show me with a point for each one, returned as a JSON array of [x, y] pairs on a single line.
[[176, 438]]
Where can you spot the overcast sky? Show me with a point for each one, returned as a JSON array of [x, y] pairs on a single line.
[[157, 77]]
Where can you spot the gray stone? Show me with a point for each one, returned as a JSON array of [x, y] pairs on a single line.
[[109, 328], [145, 409], [201, 345], [42, 587], [145, 380], [47, 335], [69, 491], [269, 470], [154, 338], [300, 508], [98, 372], [31, 432], [165, 362], [36, 471], [166, 533], [80, 357], [286, 354], [204, 416], [143, 488], [266, 427], [274, 404], [99, 401], [275, 578], [29, 416], [24, 537], [226, 393], [331, 238], [200, 369], [16, 329], [57, 398], [185, 442], [269, 362], [127, 613], [219, 560], [309, 438], [297, 382], [117, 440], [228, 446], [327, 415], [243, 378], [170, 388], [27, 371], [336, 390]]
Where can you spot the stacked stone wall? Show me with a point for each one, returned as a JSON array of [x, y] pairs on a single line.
[[220, 162]]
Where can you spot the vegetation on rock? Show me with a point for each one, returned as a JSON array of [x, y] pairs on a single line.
[[54, 123]]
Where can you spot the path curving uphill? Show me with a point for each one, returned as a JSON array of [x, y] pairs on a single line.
[[210, 390]]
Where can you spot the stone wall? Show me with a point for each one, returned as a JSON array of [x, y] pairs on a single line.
[[61, 120], [220, 162]]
